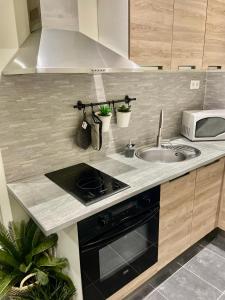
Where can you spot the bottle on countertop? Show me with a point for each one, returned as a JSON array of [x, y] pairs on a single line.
[[130, 150]]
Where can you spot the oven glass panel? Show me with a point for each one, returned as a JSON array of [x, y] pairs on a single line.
[[210, 127], [123, 251]]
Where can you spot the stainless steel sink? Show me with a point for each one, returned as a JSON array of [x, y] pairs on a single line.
[[167, 153]]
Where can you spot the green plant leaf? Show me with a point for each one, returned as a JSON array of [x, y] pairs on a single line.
[[33, 236], [105, 110], [2, 274], [46, 261], [37, 238], [42, 277], [6, 242], [66, 278], [6, 284], [45, 245], [7, 259], [17, 234], [24, 269]]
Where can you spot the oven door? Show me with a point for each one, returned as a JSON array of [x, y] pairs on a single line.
[[112, 260], [210, 127]]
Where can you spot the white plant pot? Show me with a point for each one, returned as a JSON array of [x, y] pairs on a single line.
[[105, 122], [123, 118]]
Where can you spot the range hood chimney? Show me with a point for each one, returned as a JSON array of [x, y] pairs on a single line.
[[59, 47]]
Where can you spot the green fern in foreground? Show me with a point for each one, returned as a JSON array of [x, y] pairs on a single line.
[[25, 250]]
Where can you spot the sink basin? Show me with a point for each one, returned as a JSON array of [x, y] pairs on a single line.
[[167, 153]]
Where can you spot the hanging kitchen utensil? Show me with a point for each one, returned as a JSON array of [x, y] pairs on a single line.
[[96, 131], [83, 137]]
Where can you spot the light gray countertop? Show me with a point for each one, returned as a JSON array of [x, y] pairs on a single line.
[[54, 209]]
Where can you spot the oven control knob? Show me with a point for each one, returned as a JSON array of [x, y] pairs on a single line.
[[104, 220]]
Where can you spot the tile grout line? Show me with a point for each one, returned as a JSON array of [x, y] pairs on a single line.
[[221, 295], [215, 253], [183, 266], [203, 280]]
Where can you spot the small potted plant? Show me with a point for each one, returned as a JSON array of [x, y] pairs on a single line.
[[26, 260], [123, 115], [105, 115]]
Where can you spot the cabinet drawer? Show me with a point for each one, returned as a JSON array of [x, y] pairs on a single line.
[[207, 195], [175, 223]]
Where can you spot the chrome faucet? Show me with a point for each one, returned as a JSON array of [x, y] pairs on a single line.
[[159, 136]]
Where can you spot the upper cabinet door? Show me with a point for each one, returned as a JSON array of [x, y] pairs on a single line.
[[188, 33], [214, 53], [151, 24]]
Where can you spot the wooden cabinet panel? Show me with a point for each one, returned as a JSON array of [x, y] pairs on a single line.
[[214, 52], [221, 220], [188, 33], [207, 195], [176, 206], [151, 25]]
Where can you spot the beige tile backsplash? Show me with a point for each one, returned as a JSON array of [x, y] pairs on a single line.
[[38, 123]]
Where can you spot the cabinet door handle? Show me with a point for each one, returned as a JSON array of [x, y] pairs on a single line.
[[183, 68], [154, 68], [180, 176], [214, 67]]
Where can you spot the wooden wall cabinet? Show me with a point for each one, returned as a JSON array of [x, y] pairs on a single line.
[[188, 33], [151, 25], [214, 52], [178, 34], [176, 205], [206, 201]]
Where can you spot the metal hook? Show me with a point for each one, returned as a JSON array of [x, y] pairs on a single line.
[[92, 108], [84, 107]]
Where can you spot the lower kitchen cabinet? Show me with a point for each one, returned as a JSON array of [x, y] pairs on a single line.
[[206, 201], [176, 205], [221, 221]]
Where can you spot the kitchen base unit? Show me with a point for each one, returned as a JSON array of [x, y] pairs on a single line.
[[118, 244]]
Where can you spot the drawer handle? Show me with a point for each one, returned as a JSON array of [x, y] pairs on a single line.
[[214, 162], [214, 67], [180, 176], [186, 68], [155, 68]]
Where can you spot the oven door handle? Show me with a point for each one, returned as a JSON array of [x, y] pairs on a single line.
[[100, 242]]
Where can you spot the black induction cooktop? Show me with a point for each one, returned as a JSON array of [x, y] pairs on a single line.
[[86, 183]]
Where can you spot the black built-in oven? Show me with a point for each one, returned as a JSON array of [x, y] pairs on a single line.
[[118, 244]]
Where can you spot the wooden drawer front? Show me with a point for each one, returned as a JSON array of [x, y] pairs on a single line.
[[207, 195], [214, 52], [151, 25], [176, 205], [188, 33], [221, 221]]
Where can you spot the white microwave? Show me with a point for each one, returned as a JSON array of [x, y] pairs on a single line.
[[203, 125]]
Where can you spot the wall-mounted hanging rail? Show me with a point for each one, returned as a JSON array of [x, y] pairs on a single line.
[[80, 105]]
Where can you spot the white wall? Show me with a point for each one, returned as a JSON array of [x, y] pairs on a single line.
[[88, 18], [14, 28], [8, 32], [22, 20], [113, 17]]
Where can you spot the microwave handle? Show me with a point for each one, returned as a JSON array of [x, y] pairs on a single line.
[[101, 242]]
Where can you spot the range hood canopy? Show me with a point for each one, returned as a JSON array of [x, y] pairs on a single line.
[[59, 50]]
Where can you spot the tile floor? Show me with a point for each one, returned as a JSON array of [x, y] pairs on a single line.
[[198, 274]]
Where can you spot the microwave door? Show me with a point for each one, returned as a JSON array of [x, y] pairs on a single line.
[[210, 128]]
